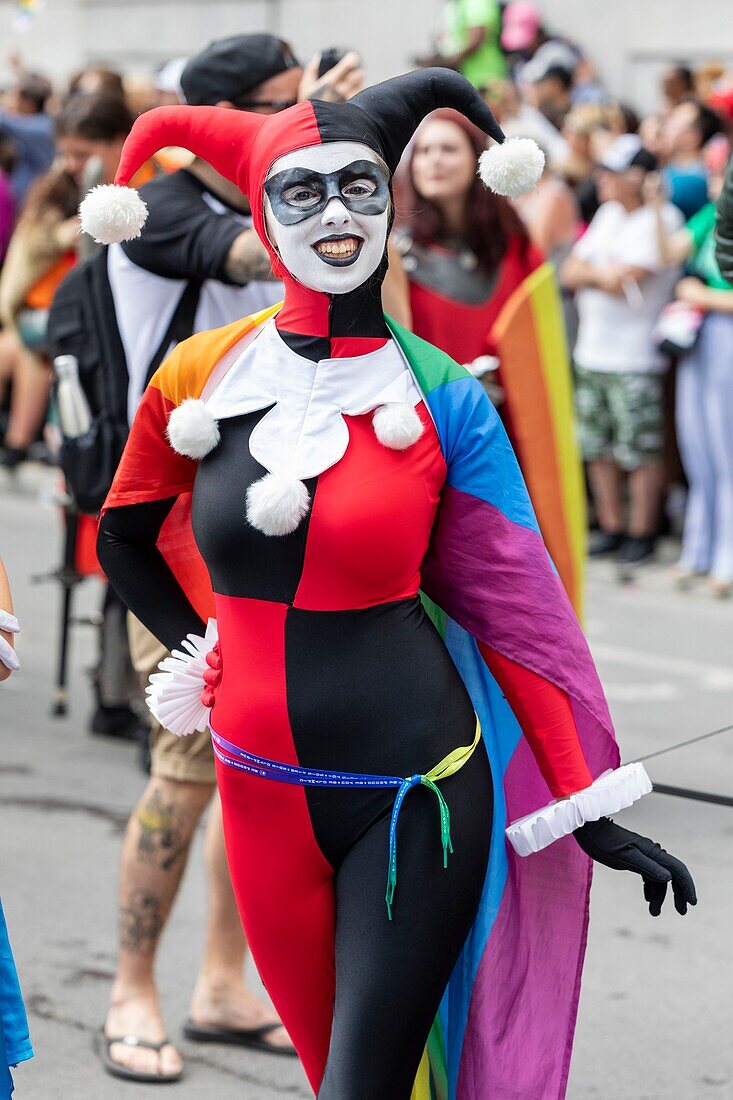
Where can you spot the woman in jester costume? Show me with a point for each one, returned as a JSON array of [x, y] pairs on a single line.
[[392, 673]]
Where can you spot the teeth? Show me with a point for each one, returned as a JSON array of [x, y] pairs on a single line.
[[338, 249]]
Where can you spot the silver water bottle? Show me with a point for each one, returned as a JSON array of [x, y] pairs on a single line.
[[75, 416]]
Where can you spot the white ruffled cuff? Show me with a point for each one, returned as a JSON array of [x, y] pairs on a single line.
[[174, 693], [611, 792]]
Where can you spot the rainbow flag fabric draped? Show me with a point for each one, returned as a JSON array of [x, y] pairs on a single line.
[[529, 336], [505, 1027]]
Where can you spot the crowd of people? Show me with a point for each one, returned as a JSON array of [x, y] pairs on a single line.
[[625, 216], [617, 185]]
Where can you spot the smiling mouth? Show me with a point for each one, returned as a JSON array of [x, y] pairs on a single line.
[[339, 250]]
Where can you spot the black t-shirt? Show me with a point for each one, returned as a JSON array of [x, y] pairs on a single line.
[[185, 236]]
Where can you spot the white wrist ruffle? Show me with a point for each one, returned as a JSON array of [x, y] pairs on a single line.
[[174, 693], [611, 792]]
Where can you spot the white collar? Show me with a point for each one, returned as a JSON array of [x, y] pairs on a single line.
[[304, 433]]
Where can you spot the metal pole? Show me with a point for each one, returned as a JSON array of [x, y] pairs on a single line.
[[695, 796]]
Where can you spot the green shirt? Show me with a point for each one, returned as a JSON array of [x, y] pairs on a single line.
[[487, 63], [702, 261]]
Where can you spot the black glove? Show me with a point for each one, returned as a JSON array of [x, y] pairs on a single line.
[[606, 842]]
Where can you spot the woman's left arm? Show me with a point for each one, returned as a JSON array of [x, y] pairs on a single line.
[[488, 569], [545, 715]]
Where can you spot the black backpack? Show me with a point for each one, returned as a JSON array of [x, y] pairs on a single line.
[[82, 323]]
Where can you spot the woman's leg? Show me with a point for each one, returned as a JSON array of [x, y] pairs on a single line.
[[692, 435], [718, 404], [29, 399], [391, 975], [221, 997], [284, 891]]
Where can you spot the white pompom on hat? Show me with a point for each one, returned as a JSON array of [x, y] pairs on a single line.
[[192, 430], [111, 214], [513, 168], [114, 212], [397, 106]]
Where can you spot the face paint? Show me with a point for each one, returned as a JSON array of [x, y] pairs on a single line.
[[327, 209], [299, 193]]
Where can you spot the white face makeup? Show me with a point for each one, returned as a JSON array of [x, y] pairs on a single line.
[[326, 210]]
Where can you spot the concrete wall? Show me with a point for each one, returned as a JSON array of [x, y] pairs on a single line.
[[630, 40]]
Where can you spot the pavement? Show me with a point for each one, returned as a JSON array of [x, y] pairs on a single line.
[[656, 1015]]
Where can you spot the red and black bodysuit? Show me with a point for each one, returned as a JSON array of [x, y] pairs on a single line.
[[328, 661]]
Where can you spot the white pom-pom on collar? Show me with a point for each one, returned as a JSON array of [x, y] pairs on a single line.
[[192, 430], [512, 168], [111, 214], [276, 504], [397, 425]]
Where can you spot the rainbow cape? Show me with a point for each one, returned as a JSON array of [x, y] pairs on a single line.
[[505, 1027], [529, 335]]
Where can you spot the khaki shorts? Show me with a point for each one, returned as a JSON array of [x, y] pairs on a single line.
[[185, 759]]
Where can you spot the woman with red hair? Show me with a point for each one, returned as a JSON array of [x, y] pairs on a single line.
[[473, 283], [464, 249]]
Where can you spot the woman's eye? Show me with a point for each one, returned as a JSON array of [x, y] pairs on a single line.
[[359, 189], [302, 196]]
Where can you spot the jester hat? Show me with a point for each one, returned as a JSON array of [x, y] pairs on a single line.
[[242, 145]]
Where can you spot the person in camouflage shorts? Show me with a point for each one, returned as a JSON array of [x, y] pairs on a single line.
[[622, 283], [620, 416]]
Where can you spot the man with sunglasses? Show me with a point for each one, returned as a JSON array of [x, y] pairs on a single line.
[[198, 232]]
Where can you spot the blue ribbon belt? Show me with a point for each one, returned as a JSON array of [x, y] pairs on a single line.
[[313, 777]]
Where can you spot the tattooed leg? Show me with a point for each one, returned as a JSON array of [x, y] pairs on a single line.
[[140, 923], [165, 830], [154, 854]]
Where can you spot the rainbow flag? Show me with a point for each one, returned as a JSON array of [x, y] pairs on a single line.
[[535, 374], [506, 1024]]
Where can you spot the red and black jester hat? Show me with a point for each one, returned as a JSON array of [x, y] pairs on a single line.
[[242, 146]]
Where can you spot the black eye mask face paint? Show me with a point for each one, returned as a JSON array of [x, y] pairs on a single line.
[[300, 193]]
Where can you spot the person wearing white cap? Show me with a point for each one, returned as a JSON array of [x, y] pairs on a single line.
[[621, 287]]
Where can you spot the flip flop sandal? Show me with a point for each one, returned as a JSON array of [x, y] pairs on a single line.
[[254, 1037], [102, 1044]]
